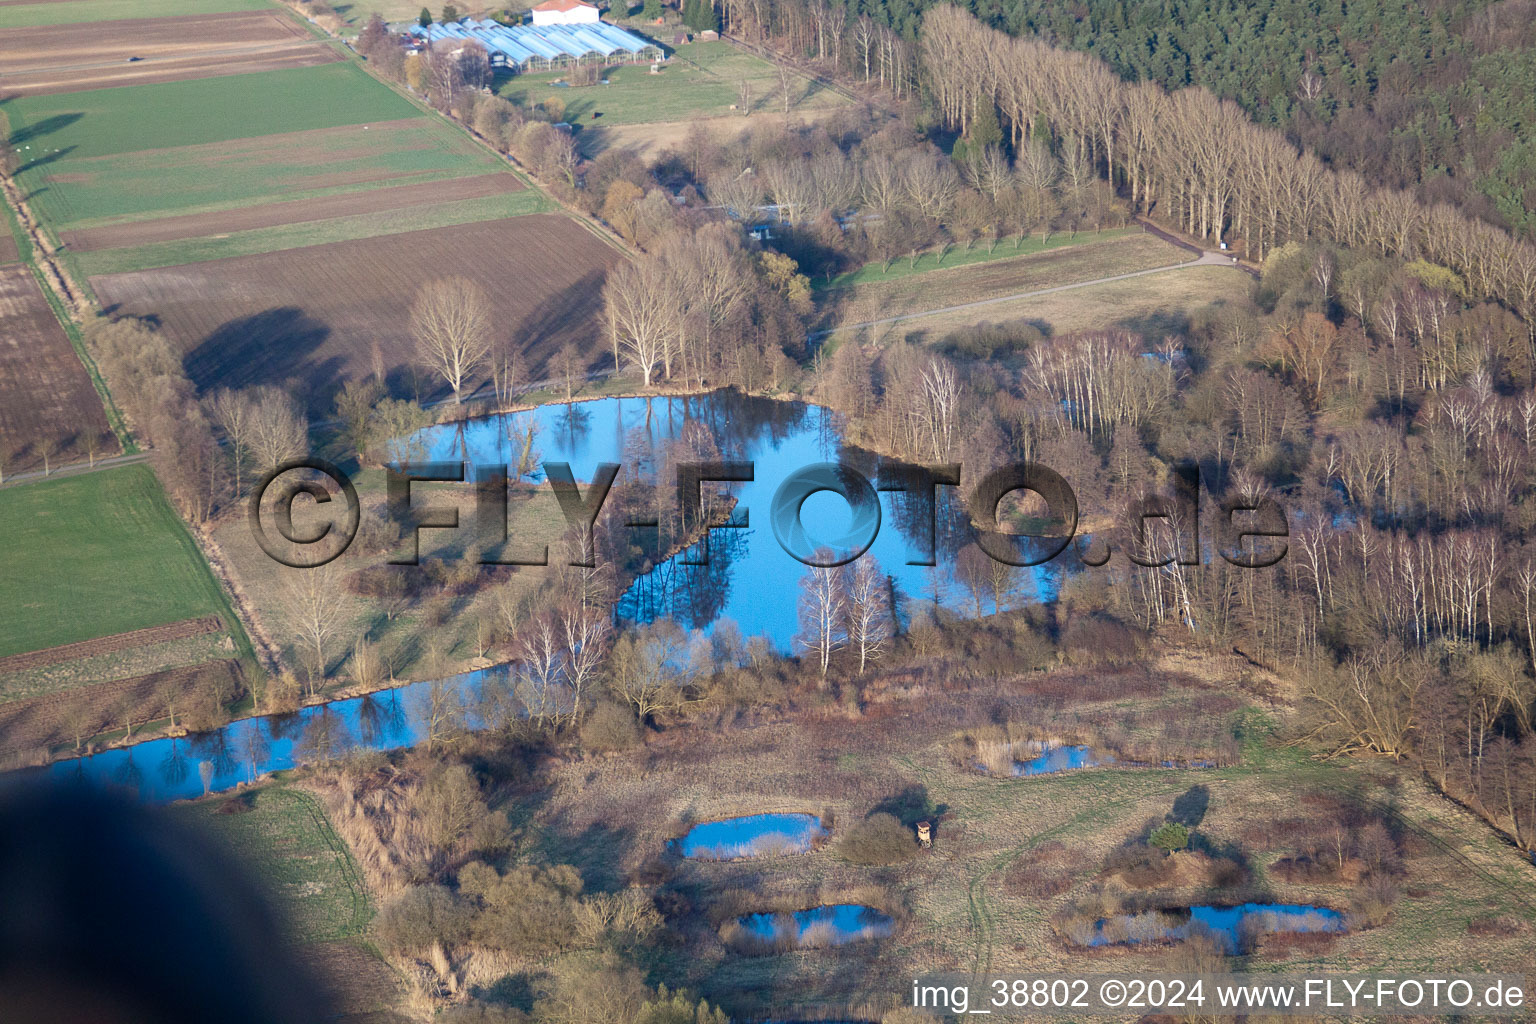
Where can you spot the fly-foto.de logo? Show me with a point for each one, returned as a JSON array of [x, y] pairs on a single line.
[[1251, 532]]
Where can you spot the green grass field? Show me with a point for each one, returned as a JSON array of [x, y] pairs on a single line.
[[958, 256], [220, 176], [128, 119], [74, 12], [700, 81], [94, 555], [295, 236], [284, 837]]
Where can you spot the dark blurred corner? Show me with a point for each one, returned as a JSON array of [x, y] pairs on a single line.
[[111, 911]]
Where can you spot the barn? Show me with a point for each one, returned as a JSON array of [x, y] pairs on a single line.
[[564, 12], [519, 48]]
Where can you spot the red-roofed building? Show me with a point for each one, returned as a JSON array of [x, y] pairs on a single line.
[[564, 12]]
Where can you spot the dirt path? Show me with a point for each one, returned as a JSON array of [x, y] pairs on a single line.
[[73, 469], [1206, 259]]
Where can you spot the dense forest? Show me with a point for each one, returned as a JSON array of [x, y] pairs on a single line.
[[1437, 97]]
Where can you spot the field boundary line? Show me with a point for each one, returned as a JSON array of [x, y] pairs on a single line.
[[355, 887]]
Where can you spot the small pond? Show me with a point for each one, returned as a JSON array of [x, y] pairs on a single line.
[[1060, 759], [1234, 927], [1036, 757], [832, 925], [755, 835]]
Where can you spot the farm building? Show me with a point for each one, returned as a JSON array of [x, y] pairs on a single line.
[[564, 12], [539, 47]]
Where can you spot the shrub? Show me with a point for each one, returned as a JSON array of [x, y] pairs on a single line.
[[1372, 904], [609, 727], [1101, 640], [1170, 836], [420, 916], [1504, 925], [879, 839]]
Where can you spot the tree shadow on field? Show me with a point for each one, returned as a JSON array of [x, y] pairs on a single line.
[[538, 330], [29, 133], [45, 159], [267, 348]]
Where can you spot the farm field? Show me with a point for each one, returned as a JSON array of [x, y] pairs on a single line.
[[1095, 257], [315, 314], [317, 232], [94, 192], [48, 405], [134, 118], [74, 12], [104, 547], [62, 58], [297, 211], [699, 81], [284, 838], [1153, 306]]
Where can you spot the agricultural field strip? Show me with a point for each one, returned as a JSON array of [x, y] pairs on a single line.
[[64, 141], [46, 395], [1151, 304], [45, 48], [112, 644], [310, 233], [295, 211], [77, 12], [977, 287], [197, 180], [316, 312], [108, 547], [249, 60]]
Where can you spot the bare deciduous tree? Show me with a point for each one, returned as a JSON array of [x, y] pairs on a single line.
[[313, 613], [451, 322]]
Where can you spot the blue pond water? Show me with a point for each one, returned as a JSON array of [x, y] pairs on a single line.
[[171, 769], [749, 579], [1059, 759], [1231, 925], [832, 925], [754, 835]]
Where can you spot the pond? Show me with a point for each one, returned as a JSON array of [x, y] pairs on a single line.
[[832, 925], [1038, 757], [167, 769], [1234, 927], [754, 835], [1059, 759], [749, 580]]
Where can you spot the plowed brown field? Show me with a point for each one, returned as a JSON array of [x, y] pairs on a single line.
[[46, 397], [246, 218], [71, 58], [315, 315]]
